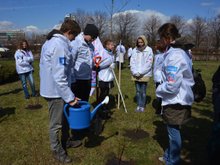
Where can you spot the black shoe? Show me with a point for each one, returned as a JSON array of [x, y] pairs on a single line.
[[73, 143], [63, 158]]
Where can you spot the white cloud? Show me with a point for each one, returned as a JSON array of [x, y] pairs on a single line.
[[206, 3], [5, 25], [144, 15], [31, 28]]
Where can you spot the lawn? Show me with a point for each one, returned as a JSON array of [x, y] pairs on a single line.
[[127, 138]]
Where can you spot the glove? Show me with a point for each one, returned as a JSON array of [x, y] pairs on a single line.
[[112, 66]]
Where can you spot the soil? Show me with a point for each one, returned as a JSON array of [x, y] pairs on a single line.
[[33, 106], [115, 161], [136, 134]]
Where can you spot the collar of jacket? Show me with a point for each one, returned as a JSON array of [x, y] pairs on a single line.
[[62, 37]]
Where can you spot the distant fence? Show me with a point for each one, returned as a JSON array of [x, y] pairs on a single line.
[[206, 55]]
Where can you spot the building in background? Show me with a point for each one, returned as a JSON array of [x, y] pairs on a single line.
[[9, 37]]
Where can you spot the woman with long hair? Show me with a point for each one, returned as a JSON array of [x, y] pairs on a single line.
[[24, 59]]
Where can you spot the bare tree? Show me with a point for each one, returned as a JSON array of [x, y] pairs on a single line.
[[215, 31], [150, 28], [179, 22], [82, 18], [113, 10], [100, 20], [198, 29], [125, 25]]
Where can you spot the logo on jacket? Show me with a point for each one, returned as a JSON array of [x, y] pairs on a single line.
[[62, 60], [171, 73]]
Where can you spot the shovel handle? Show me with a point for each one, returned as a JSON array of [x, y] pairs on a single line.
[[97, 60]]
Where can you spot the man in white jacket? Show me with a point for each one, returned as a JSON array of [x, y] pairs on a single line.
[[54, 84]]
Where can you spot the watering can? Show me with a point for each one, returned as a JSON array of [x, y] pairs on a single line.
[[79, 116]]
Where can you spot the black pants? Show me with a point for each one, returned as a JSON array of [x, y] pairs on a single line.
[[81, 89]]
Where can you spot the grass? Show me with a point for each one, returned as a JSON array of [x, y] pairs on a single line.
[[24, 133]]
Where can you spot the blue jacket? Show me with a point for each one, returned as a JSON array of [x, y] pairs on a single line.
[[23, 61], [82, 53], [54, 69], [177, 79]]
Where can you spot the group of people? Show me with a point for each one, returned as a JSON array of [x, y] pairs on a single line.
[[66, 65]]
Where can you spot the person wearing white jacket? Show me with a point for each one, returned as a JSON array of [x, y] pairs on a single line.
[[120, 53], [141, 69], [54, 84], [82, 52], [175, 91], [24, 59], [105, 75]]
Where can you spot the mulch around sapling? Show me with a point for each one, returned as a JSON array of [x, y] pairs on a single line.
[[136, 134], [33, 106]]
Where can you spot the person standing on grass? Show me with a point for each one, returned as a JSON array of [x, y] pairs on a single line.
[[54, 84], [141, 70], [120, 53], [82, 53], [175, 91], [106, 76], [24, 59]]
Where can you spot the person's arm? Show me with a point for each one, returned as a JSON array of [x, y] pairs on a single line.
[[59, 70], [132, 63], [148, 64], [20, 59], [174, 77]]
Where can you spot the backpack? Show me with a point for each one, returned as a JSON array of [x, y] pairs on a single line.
[[199, 88]]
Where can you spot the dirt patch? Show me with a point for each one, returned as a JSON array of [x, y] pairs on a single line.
[[116, 161], [136, 134], [33, 106]]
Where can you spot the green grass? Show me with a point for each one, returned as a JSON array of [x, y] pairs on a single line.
[[24, 133]]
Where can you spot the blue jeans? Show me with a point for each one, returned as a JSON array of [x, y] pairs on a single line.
[[23, 77], [141, 93], [172, 153]]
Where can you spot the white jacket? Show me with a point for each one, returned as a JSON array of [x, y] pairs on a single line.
[[23, 61], [105, 74], [54, 69], [157, 71], [141, 62], [82, 53], [177, 78], [120, 52]]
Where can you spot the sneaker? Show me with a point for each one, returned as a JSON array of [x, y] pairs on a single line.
[[63, 158], [73, 143], [137, 109], [161, 159], [141, 109]]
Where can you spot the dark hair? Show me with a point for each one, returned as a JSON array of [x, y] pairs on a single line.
[[106, 42], [169, 31], [71, 25], [20, 45]]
